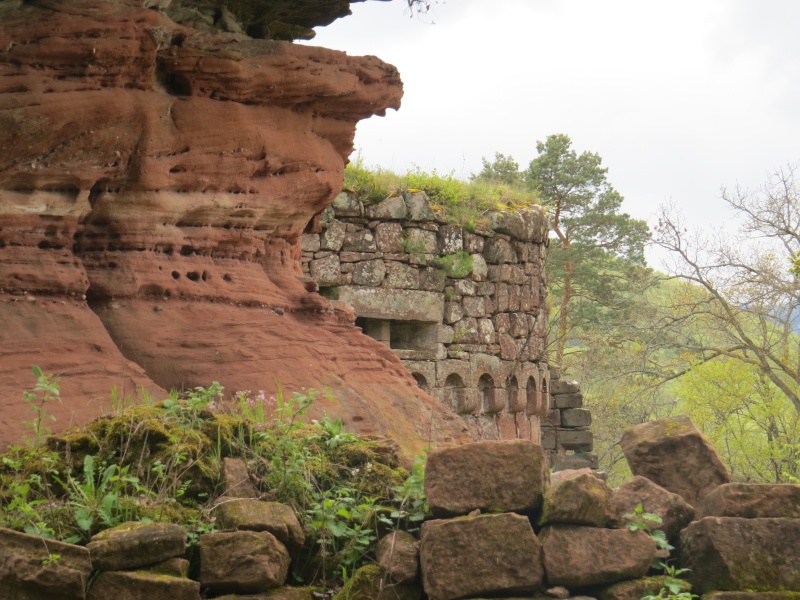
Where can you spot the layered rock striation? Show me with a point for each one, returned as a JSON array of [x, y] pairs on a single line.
[[155, 180]]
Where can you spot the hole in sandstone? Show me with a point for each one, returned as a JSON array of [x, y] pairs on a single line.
[[176, 275], [151, 289], [2, 244], [177, 169], [45, 245], [227, 278], [193, 276], [205, 276], [177, 85], [96, 190], [177, 40], [112, 265], [186, 251]]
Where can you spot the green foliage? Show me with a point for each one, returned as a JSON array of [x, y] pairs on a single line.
[[751, 423], [456, 265], [503, 170], [599, 251], [674, 588], [161, 463], [639, 520], [96, 499], [369, 185], [457, 201], [413, 506], [46, 390]]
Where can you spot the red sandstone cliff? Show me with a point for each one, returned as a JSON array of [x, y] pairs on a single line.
[[154, 182]]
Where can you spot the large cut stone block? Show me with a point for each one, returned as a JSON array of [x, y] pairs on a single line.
[[509, 476], [398, 555], [402, 305], [753, 501], [27, 571], [242, 562], [731, 553], [133, 545], [579, 498], [256, 515], [484, 555], [577, 556], [136, 585], [674, 511], [673, 453]]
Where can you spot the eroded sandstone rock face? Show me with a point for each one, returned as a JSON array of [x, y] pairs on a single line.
[[154, 182]]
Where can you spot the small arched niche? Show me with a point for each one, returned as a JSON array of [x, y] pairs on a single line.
[[490, 399], [421, 381], [532, 397], [455, 396], [515, 401]]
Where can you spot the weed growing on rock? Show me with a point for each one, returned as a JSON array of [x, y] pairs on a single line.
[[45, 391], [162, 463]]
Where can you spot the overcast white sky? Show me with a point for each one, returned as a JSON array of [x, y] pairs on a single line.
[[679, 97]]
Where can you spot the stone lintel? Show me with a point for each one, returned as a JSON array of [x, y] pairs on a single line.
[[401, 305]]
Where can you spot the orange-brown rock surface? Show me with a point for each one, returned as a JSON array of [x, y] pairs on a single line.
[[154, 183]]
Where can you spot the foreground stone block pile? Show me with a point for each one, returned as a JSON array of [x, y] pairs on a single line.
[[502, 527]]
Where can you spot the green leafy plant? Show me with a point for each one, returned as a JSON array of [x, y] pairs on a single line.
[[343, 522], [413, 505], [674, 587], [187, 408], [332, 433], [95, 500], [456, 265], [46, 390], [639, 520]]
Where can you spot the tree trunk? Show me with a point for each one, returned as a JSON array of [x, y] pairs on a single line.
[[562, 311]]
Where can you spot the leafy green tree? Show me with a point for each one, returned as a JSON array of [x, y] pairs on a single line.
[[598, 250], [748, 308], [749, 421], [503, 169]]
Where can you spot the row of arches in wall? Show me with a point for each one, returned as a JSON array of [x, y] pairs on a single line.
[[532, 398]]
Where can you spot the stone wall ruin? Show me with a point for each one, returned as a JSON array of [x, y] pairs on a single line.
[[464, 310]]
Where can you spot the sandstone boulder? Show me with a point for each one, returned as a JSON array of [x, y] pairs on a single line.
[[731, 553], [28, 571], [577, 557], [752, 596], [136, 585], [398, 555], [674, 511], [369, 583], [635, 589], [490, 475], [284, 593], [135, 544], [672, 453], [579, 498], [419, 206], [236, 479], [393, 207], [484, 555], [256, 515], [753, 501], [242, 562]]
